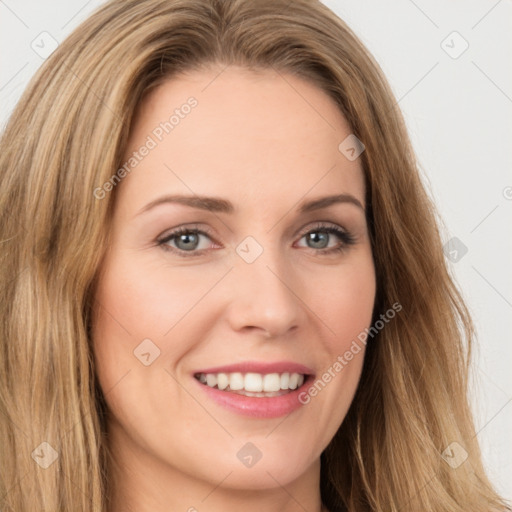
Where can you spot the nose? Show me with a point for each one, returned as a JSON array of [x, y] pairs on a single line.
[[266, 296]]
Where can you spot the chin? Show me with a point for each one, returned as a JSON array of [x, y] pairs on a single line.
[[255, 469]]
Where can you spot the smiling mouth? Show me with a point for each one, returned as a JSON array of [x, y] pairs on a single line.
[[253, 384]]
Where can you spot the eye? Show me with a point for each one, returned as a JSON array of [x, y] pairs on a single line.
[[184, 240], [320, 236]]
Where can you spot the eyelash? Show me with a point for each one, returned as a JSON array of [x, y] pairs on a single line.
[[346, 239]]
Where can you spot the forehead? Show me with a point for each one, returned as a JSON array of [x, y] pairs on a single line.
[[263, 134]]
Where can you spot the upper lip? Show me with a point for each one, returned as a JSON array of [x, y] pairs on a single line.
[[260, 367]]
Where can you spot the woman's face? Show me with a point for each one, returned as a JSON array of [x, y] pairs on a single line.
[[263, 287]]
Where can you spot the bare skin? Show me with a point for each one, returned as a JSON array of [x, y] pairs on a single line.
[[266, 142]]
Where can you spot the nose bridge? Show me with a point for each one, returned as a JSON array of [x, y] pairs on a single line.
[[264, 288]]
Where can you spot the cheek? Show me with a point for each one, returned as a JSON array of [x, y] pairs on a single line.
[[344, 301], [147, 300]]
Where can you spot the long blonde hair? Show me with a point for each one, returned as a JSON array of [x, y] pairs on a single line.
[[66, 137]]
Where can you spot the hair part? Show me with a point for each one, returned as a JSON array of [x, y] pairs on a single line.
[[67, 136]]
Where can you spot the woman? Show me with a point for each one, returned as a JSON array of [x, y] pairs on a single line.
[[223, 285]]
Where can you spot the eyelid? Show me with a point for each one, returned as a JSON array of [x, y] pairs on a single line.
[[185, 228], [320, 224], [347, 237]]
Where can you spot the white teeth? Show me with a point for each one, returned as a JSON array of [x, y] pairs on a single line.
[[252, 382], [236, 381], [292, 384], [211, 380], [222, 381], [271, 382]]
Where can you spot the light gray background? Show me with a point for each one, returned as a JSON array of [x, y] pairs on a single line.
[[458, 110]]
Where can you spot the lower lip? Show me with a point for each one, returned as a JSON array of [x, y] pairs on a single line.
[[258, 407]]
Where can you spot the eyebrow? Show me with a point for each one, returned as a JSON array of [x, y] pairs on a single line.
[[218, 205]]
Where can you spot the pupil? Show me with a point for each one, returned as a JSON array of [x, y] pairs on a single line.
[[186, 238], [317, 238]]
